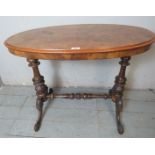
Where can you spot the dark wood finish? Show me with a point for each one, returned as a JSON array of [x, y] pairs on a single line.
[[117, 92], [41, 90], [79, 96], [81, 42]]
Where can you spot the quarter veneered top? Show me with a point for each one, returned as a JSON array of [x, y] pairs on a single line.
[[75, 39]]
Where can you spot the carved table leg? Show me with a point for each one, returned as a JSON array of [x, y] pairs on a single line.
[[117, 92], [41, 90]]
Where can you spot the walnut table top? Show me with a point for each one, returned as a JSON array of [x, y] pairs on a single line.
[[81, 42]]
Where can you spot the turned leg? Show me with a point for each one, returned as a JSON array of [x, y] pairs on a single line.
[[41, 90], [117, 92]]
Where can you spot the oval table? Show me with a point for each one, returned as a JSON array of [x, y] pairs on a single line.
[[80, 42]]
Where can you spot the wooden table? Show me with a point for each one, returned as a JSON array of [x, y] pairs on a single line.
[[80, 42]]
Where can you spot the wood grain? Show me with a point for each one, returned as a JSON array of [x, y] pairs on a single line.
[[81, 42]]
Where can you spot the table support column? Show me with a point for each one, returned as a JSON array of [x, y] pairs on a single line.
[[117, 92], [41, 90]]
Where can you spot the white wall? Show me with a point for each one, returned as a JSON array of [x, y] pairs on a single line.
[[100, 73]]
